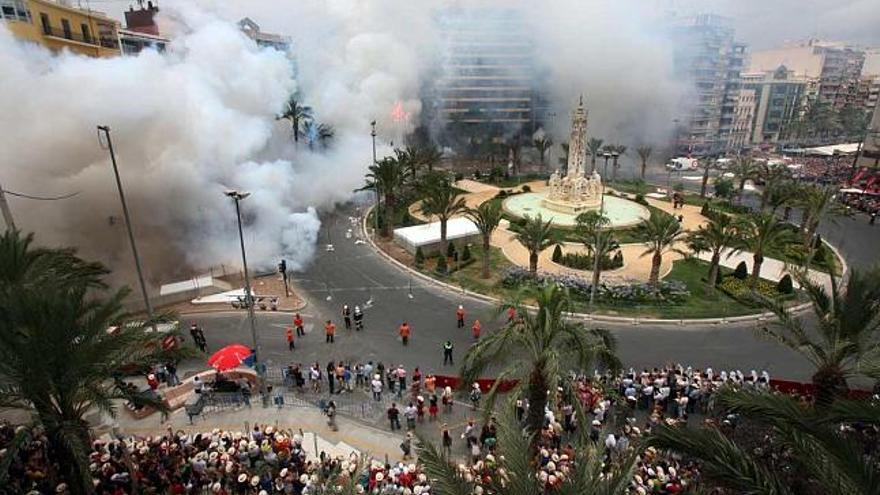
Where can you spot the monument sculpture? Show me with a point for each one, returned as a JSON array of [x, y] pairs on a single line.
[[575, 192]]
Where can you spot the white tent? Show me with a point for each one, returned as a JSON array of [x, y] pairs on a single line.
[[842, 149]]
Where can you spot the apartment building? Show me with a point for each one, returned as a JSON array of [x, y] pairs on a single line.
[[58, 25], [778, 102]]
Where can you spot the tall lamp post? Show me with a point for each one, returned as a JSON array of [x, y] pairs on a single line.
[[137, 259], [237, 196], [375, 181]]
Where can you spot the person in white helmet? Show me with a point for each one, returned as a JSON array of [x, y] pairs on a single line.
[[358, 319]]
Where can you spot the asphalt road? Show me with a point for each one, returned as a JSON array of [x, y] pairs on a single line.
[[354, 274]]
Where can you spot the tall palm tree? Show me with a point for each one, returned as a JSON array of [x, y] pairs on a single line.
[[317, 133], [598, 240], [844, 340], [387, 176], [57, 358], [743, 169], [816, 202], [535, 236], [819, 457], [298, 114], [707, 164], [644, 154], [542, 144], [759, 233], [590, 475], [618, 150], [441, 199], [594, 147], [486, 217], [660, 232], [547, 346], [715, 236]]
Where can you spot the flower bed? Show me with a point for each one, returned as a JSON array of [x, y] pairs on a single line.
[[739, 288], [666, 291], [579, 261]]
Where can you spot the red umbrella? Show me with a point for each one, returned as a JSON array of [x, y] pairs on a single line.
[[229, 357]]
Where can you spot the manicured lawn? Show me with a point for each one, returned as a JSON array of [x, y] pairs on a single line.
[[469, 275]]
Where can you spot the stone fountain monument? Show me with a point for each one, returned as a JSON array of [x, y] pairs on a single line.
[[576, 192]]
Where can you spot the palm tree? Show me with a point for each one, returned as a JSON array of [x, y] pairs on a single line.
[[386, 176], [298, 114], [783, 193], [743, 169], [617, 151], [428, 156], [547, 347], [644, 153], [514, 455], [486, 217], [708, 164], [660, 232], [542, 144], [535, 236], [817, 202], [759, 233], [819, 457], [317, 133], [441, 199], [57, 358], [843, 342], [599, 241], [771, 176], [717, 235], [594, 147]]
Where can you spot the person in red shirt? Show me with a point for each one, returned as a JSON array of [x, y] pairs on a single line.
[[476, 328], [329, 331], [290, 344], [459, 314], [152, 382], [298, 324], [405, 332], [511, 314]]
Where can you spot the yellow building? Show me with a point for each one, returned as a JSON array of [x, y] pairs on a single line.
[[58, 25]]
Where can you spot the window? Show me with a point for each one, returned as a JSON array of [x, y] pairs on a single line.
[[87, 35], [44, 21], [14, 10], [65, 26]]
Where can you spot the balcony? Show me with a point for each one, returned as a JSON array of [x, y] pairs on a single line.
[[57, 33]]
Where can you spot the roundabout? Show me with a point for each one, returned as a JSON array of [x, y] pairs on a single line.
[[620, 212]]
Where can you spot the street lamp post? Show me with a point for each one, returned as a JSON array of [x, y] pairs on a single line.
[[237, 196], [606, 155], [614, 165], [137, 259], [375, 181]]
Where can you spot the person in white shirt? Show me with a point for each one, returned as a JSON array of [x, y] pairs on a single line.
[[376, 386]]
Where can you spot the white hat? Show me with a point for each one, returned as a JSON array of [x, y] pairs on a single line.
[[255, 480], [283, 473], [216, 487], [242, 477]]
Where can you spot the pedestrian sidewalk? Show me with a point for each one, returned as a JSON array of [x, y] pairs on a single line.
[[772, 269]]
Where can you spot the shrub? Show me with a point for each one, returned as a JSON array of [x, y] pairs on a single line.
[[739, 289], [420, 257], [678, 187], [742, 271], [466, 253], [785, 286], [441, 265], [526, 188], [459, 176], [585, 261], [557, 254], [502, 193], [640, 198], [450, 250]]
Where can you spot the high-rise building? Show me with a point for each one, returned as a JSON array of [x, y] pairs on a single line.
[[836, 66], [707, 55], [487, 82], [262, 38], [778, 102], [58, 25]]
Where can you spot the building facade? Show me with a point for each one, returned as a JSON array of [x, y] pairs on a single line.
[[836, 68], [707, 55], [58, 25], [487, 82], [268, 40], [778, 103], [141, 31]]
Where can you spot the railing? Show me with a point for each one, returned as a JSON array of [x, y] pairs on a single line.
[[70, 35]]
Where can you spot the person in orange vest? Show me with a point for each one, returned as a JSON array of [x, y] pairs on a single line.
[[298, 324], [405, 332], [476, 329], [290, 345], [329, 331], [459, 314]]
